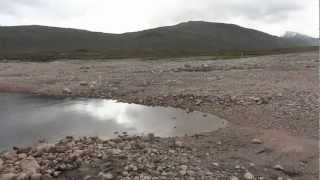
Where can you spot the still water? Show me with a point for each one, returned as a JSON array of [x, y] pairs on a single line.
[[24, 119]]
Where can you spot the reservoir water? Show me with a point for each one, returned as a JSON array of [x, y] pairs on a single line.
[[24, 119]]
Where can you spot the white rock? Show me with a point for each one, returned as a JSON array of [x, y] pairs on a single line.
[[278, 167], [248, 176], [105, 175], [256, 141], [178, 143], [67, 91], [22, 156], [30, 165], [215, 164]]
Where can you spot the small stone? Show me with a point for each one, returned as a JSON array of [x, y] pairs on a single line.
[[116, 151], [56, 173], [234, 178], [83, 83], [178, 143], [215, 164], [184, 167], [151, 136], [278, 167], [237, 166], [67, 91], [105, 175], [22, 156], [256, 141], [183, 170], [248, 176], [280, 178], [251, 164]]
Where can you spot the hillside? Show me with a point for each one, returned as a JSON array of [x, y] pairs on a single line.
[[300, 39], [194, 36]]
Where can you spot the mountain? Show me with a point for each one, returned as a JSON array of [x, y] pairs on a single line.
[[193, 36], [300, 39]]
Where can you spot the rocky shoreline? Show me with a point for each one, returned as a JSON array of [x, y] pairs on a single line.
[[229, 153]]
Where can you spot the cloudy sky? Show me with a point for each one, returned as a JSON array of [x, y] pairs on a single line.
[[118, 16]]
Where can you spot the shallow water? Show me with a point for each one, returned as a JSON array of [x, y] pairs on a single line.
[[24, 119]]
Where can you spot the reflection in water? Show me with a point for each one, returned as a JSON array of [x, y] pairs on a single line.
[[24, 119]]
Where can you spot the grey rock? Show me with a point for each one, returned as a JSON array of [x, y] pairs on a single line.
[[83, 83]]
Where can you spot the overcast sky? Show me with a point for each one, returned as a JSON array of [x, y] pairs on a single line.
[[118, 16]]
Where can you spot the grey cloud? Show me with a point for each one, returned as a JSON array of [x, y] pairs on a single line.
[[80, 13]]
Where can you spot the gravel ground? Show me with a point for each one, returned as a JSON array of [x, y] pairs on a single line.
[[271, 103]]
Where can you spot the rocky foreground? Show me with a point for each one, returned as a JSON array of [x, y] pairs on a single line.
[[136, 157]]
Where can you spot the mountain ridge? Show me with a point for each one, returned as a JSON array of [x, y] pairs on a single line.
[[195, 36]]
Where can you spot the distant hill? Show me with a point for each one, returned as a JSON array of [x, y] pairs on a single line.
[[300, 39], [193, 36]]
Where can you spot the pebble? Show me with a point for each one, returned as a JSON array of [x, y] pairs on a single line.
[[83, 83], [248, 176], [215, 164], [105, 175], [21, 156], [178, 143], [67, 91], [256, 141], [278, 167]]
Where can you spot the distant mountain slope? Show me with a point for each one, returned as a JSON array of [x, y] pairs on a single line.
[[194, 35], [300, 39]]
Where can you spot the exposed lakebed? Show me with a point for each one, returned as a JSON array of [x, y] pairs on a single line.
[[24, 119]]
